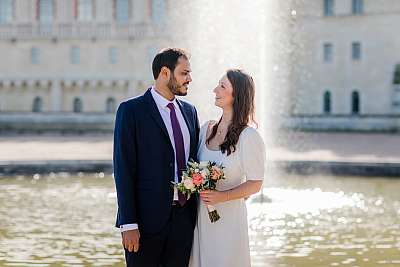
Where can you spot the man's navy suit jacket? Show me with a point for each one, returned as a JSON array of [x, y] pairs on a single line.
[[144, 163]]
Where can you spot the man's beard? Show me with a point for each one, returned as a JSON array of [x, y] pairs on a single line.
[[174, 87]]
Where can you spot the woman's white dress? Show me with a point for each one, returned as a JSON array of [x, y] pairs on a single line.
[[225, 243]]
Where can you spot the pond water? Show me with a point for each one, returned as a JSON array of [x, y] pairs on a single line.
[[64, 220]]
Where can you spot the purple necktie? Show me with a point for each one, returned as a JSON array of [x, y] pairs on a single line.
[[179, 149]]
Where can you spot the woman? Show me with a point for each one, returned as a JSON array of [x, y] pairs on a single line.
[[240, 149]]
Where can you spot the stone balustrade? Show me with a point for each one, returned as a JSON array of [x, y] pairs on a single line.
[[73, 30]]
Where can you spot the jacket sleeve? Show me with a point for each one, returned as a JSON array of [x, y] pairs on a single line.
[[124, 162]]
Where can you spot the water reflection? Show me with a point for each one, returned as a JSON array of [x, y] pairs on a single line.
[[60, 220]]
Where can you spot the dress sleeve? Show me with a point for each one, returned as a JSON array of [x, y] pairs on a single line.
[[252, 154], [203, 134]]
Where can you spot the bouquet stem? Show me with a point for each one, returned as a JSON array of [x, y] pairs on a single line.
[[213, 214]]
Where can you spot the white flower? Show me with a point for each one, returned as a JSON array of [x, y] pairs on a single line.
[[188, 184], [205, 173], [193, 164]]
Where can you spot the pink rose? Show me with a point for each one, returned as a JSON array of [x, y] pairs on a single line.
[[197, 179], [216, 173]]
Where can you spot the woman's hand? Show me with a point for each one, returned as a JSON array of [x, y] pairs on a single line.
[[212, 197]]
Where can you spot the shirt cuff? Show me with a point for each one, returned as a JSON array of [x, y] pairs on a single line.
[[127, 227], [176, 194]]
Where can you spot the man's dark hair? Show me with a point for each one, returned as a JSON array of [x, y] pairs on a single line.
[[167, 57]]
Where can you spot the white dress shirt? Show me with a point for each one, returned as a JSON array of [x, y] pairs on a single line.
[[162, 103]]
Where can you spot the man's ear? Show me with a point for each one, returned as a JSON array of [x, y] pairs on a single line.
[[165, 73]]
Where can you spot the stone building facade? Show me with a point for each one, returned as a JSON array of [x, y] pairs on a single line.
[[75, 60], [76, 56], [346, 60]]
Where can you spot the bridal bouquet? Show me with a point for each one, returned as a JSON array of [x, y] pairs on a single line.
[[201, 176]]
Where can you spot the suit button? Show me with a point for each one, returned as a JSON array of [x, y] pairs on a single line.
[[170, 165]]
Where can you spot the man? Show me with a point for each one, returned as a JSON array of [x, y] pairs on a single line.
[[155, 135]]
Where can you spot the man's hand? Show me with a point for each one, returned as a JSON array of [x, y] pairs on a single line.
[[130, 240]]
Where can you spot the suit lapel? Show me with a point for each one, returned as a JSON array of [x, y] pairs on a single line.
[[155, 114], [189, 124]]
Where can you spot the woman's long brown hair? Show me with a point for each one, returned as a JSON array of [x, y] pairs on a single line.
[[243, 109]]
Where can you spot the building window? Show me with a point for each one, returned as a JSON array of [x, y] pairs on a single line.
[[158, 11], [45, 11], [6, 11], [121, 11], [396, 75], [358, 7], [328, 7], [35, 55], [328, 52], [85, 10], [37, 105], [327, 102], [356, 51], [75, 55], [110, 105], [78, 105], [355, 103], [113, 55]]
